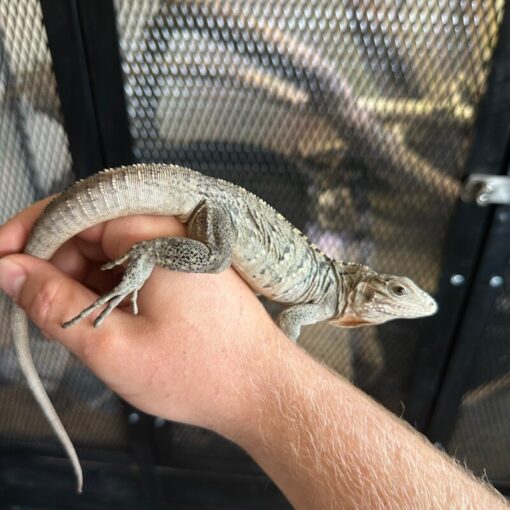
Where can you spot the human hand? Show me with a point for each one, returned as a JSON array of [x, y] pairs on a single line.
[[187, 356], [204, 351]]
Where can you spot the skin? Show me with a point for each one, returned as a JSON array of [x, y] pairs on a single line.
[[204, 351]]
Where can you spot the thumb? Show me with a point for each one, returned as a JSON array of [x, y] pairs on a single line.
[[49, 298]]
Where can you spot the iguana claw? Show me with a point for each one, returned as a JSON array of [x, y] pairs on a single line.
[[137, 272]]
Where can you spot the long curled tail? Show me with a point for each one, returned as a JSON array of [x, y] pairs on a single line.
[[19, 328]]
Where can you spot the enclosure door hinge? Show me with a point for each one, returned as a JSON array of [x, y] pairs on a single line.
[[487, 189]]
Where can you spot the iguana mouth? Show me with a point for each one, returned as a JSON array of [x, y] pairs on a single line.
[[397, 310]]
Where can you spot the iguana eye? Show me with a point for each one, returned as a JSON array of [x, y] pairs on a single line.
[[399, 290]]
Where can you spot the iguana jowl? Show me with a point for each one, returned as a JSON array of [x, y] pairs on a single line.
[[226, 225]]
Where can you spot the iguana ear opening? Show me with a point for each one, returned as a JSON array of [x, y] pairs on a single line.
[[367, 291]]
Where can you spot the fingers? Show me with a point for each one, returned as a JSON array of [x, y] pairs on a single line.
[[79, 263], [73, 258], [92, 234], [72, 261], [121, 234], [92, 250], [50, 298], [166, 289], [14, 233], [100, 281]]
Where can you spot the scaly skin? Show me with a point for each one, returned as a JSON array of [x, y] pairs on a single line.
[[227, 225]]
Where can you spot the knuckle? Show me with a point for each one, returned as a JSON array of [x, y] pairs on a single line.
[[41, 308], [90, 350], [98, 346]]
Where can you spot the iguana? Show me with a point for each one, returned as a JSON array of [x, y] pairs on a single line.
[[227, 226]]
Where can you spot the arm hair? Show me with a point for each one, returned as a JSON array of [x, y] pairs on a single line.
[[329, 446]]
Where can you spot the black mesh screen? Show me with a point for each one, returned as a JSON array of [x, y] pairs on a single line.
[[352, 118], [35, 162], [481, 436]]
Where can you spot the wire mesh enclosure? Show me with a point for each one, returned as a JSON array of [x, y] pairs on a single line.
[[354, 119]]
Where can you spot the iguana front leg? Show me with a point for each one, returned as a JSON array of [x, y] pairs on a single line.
[[293, 318], [207, 250]]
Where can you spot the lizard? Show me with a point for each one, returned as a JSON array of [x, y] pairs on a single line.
[[226, 226]]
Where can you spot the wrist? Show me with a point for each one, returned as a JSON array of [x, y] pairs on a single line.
[[247, 390], [226, 390], [266, 390]]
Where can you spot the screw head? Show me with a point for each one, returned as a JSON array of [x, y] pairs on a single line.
[[483, 197], [457, 280], [133, 418], [159, 422], [496, 281], [503, 215], [483, 194]]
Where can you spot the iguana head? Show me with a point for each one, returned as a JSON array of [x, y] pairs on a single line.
[[373, 298]]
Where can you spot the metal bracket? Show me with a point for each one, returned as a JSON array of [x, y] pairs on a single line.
[[487, 189]]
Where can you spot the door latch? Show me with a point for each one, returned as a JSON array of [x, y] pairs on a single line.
[[487, 189]]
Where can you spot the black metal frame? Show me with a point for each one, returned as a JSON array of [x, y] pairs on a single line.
[[82, 38], [432, 404], [478, 311], [101, 45], [62, 24], [491, 155], [114, 480]]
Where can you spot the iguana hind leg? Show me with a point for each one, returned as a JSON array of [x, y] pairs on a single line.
[[207, 250]]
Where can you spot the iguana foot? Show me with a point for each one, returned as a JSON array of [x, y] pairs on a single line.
[[212, 254], [138, 270], [293, 318]]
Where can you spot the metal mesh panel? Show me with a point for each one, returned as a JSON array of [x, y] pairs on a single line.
[[481, 436], [352, 118], [35, 162]]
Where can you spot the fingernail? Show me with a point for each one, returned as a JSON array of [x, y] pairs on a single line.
[[12, 278]]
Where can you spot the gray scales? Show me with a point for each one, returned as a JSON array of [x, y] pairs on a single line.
[[227, 226]]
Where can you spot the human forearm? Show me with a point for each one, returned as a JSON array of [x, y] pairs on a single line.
[[328, 445], [203, 351]]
